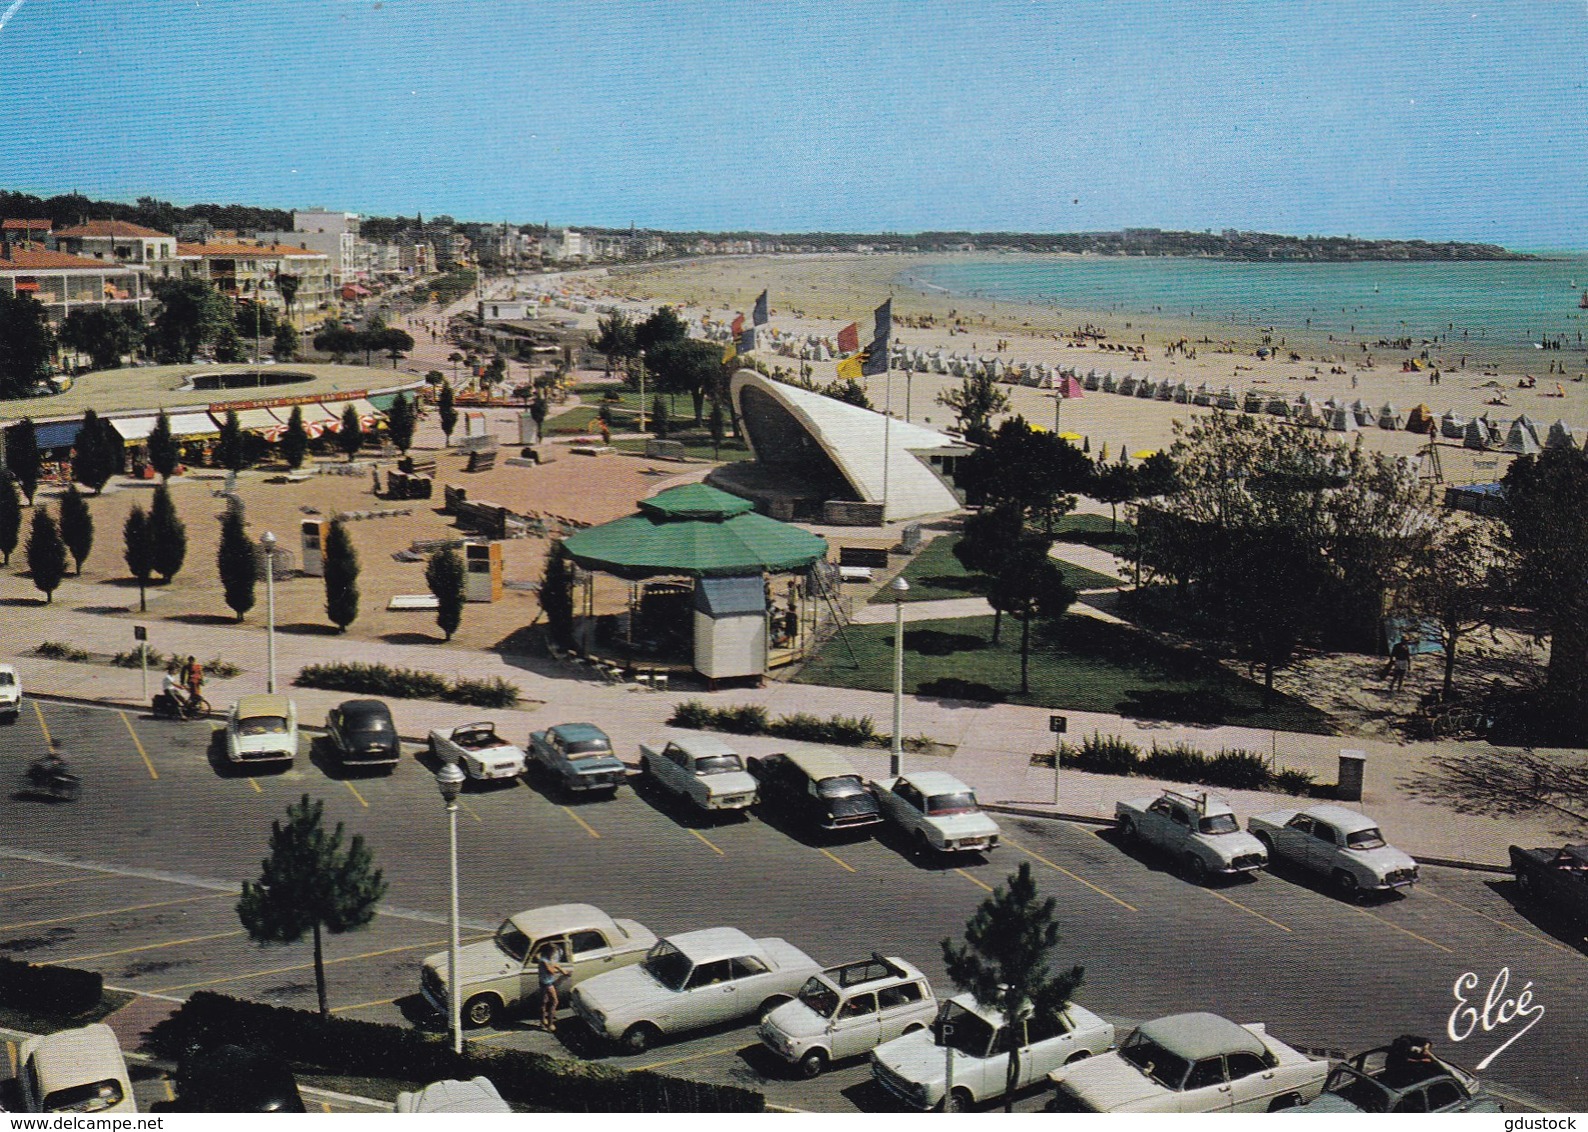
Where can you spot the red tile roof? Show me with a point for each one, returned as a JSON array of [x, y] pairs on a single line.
[[244, 251], [37, 259], [110, 228], [11, 224]]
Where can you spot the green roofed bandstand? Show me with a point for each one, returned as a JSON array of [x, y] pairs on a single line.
[[690, 546]]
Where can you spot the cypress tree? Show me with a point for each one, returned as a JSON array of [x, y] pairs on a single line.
[[168, 534], [351, 437], [295, 441], [556, 594], [22, 456], [446, 412], [10, 517], [400, 421], [229, 452], [95, 455], [46, 554], [77, 526], [163, 454], [237, 563], [444, 576], [138, 549], [341, 577]]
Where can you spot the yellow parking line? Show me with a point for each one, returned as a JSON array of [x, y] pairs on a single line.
[[362, 1005], [136, 742], [355, 793], [254, 782], [1252, 911], [44, 727], [43, 884], [708, 842], [839, 861], [113, 911], [693, 1057], [983, 885], [1498, 922], [583, 824], [298, 967], [1403, 931], [468, 809], [326, 1106], [1072, 876], [145, 947]]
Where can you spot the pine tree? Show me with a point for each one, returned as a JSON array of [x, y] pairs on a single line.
[[96, 454], [77, 526], [229, 452], [446, 412], [351, 436], [138, 550], [237, 563], [444, 576], [295, 441], [1005, 962], [285, 346], [556, 594], [400, 421], [46, 554], [10, 517], [163, 453], [341, 577], [167, 533], [310, 884], [22, 456]]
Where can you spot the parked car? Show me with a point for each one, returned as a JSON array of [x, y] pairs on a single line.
[[912, 1068], [479, 750], [499, 974], [1554, 879], [1198, 832], [1196, 1062], [691, 980], [703, 769], [579, 756], [363, 735], [849, 1010], [10, 693], [262, 728], [1373, 1082], [1337, 843], [816, 787], [937, 812], [476, 1095], [79, 1070], [233, 1078]]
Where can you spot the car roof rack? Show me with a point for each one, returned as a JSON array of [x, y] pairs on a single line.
[[1197, 801]]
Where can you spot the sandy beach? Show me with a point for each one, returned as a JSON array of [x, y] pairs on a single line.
[[819, 294]]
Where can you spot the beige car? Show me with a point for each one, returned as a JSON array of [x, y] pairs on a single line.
[[75, 1071], [500, 974]]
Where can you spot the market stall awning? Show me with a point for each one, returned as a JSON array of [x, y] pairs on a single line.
[[133, 428], [184, 425], [697, 531], [49, 435]]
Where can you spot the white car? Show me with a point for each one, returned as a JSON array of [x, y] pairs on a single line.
[[476, 1095], [692, 980], [1192, 1063], [479, 750], [79, 1070], [1337, 843], [1198, 832], [912, 1068], [937, 812], [10, 693], [262, 728], [849, 1010], [704, 770]]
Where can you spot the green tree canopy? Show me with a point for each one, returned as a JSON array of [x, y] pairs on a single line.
[[46, 554], [237, 563], [616, 338], [164, 454], [400, 421], [190, 313], [77, 526], [138, 550], [446, 411], [686, 365], [228, 345], [444, 576], [97, 453], [287, 286], [341, 577], [338, 341], [168, 533], [27, 343], [105, 334], [662, 325], [350, 437], [22, 456], [230, 450], [975, 402], [10, 517], [556, 594], [295, 441], [253, 319], [284, 344]]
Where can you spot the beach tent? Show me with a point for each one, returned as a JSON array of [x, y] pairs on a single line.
[[1364, 415], [1182, 394], [1476, 435], [1277, 407], [1388, 417], [1165, 391], [1252, 402], [1069, 388], [1108, 384], [1202, 396], [1127, 387], [1146, 388], [1419, 419], [1560, 436], [1307, 411], [1496, 429], [996, 368], [1226, 398], [1452, 425], [938, 364], [1341, 419], [1532, 427], [1520, 441]]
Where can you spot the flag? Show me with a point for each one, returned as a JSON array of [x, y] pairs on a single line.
[[875, 358], [884, 322], [729, 354], [760, 310], [747, 341], [851, 368], [849, 338], [738, 325]]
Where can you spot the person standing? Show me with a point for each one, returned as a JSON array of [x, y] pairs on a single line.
[[547, 971], [1400, 664], [194, 675]]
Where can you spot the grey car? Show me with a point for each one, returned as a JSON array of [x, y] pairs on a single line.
[[1370, 1082], [578, 756]]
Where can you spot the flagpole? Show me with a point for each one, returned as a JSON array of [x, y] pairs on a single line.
[[887, 428]]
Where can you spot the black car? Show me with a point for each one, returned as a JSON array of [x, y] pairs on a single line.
[[816, 787], [229, 1078], [363, 734], [1556, 880]]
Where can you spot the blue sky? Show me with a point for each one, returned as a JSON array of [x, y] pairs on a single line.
[[1437, 120]]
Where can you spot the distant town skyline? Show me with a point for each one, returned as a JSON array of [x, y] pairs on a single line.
[[1419, 120]]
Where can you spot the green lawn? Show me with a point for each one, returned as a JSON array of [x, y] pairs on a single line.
[[935, 574], [1094, 530], [728, 453], [1080, 663]]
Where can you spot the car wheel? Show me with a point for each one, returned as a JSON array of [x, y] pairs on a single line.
[[1127, 829], [1196, 868], [813, 1064], [1279, 1104], [923, 847], [771, 1004], [639, 1037], [960, 1100], [480, 1010], [1078, 1055], [1346, 882], [914, 1028]]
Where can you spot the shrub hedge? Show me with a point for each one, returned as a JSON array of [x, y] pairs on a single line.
[[407, 683], [349, 1046], [752, 719], [60, 650], [1181, 762], [49, 990]]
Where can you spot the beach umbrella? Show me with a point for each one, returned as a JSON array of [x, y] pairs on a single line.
[[1072, 437], [1144, 453]]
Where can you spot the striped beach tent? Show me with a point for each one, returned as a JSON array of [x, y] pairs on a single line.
[[1389, 417], [1226, 399], [1202, 396], [1419, 419], [1127, 387], [1364, 413], [1182, 393], [1108, 384], [1533, 428], [1252, 402], [1277, 407], [1146, 388]]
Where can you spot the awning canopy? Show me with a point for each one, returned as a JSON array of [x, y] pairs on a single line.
[[697, 531], [249, 420], [57, 434], [133, 428], [185, 425]]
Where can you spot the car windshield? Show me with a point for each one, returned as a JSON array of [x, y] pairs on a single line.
[[820, 998], [1219, 823], [94, 1096], [668, 965], [373, 723], [587, 747], [6, 679], [1365, 839], [959, 802], [1168, 1069], [1349, 1085], [514, 942], [478, 739], [843, 786], [263, 725], [718, 764], [968, 1033]]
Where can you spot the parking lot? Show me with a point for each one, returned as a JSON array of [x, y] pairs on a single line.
[[139, 878]]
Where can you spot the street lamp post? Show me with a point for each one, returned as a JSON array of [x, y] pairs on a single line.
[[449, 780], [269, 541], [899, 587]]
